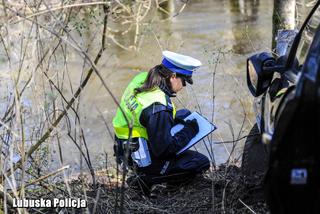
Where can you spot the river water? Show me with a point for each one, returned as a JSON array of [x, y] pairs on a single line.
[[220, 33]]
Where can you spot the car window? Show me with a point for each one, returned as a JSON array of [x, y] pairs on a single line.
[[307, 37]]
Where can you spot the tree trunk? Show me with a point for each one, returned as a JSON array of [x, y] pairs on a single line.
[[283, 17], [301, 11]]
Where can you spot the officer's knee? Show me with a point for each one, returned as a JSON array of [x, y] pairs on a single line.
[[203, 163], [196, 162]]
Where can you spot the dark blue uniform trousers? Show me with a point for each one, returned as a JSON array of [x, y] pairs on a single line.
[[182, 168]]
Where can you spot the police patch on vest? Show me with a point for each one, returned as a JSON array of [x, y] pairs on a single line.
[[131, 103]]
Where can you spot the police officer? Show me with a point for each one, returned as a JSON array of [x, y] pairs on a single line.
[[147, 108]]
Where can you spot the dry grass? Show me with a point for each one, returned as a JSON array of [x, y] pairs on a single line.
[[233, 193]]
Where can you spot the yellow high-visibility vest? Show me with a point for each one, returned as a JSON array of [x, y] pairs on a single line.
[[133, 106]]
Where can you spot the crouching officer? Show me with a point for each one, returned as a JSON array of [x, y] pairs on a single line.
[[147, 106]]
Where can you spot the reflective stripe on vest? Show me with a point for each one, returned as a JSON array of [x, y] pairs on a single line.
[[133, 106]]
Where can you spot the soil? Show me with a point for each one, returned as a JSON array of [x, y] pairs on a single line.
[[224, 190]]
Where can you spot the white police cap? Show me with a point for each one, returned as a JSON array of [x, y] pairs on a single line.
[[179, 63]]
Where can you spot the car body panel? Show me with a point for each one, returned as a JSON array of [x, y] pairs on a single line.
[[266, 106]]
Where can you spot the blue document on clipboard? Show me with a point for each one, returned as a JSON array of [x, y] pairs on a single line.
[[205, 128]]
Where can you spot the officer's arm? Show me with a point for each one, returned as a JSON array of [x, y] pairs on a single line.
[[158, 121]]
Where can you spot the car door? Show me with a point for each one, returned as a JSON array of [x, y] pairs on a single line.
[[288, 79]]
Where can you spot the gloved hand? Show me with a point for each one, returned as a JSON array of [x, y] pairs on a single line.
[[193, 125], [179, 121], [190, 129]]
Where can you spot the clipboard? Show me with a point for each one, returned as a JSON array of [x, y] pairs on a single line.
[[205, 128]]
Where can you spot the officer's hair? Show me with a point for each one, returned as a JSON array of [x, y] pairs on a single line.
[[157, 76]]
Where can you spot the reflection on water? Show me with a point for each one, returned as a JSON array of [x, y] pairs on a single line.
[[216, 32], [247, 9], [244, 14]]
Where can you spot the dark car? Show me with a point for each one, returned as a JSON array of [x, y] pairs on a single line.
[[284, 144]]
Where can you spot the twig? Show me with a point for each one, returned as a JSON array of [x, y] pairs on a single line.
[[75, 96], [6, 195], [224, 197], [247, 206], [61, 8], [182, 8], [232, 141], [212, 191], [46, 176], [110, 133], [96, 202]]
